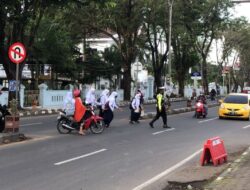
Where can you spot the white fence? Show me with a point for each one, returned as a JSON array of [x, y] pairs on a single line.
[[51, 98]]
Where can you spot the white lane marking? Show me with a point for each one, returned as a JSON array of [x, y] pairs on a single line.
[[159, 132], [28, 124], [203, 121], [166, 172], [248, 126], [79, 157]]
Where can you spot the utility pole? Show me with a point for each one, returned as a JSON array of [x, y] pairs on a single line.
[[137, 73], [170, 4]]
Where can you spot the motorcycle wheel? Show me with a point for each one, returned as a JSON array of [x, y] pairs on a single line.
[[98, 127], [198, 114], [61, 129]]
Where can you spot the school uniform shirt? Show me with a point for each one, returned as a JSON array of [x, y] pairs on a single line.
[[111, 101], [136, 103]]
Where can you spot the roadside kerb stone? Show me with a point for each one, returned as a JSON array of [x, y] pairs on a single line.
[[176, 111]]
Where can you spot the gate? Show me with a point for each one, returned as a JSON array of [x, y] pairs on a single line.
[[31, 97]]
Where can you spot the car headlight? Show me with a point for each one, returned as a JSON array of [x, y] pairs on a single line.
[[222, 106], [246, 107]]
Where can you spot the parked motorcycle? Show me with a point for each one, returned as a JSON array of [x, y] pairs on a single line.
[[3, 112], [200, 110], [66, 124]]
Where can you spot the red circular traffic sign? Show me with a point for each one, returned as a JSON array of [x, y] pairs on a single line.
[[17, 52]]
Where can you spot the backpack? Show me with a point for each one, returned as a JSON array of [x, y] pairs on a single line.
[[106, 106], [130, 104], [99, 101]]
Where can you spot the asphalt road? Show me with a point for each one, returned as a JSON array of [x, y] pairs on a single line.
[[122, 158]]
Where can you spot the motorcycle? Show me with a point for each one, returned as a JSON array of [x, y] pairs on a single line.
[[66, 124], [200, 110], [3, 112]]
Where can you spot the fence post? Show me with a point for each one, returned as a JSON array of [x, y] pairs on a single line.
[[21, 93], [42, 90]]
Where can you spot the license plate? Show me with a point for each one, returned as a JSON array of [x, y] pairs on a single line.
[[231, 113]]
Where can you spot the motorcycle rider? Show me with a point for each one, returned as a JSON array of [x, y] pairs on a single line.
[[80, 111], [203, 99], [213, 94]]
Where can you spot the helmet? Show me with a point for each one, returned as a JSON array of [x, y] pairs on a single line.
[[76, 93]]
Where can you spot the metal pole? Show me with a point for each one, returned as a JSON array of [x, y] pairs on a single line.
[[170, 3], [17, 71]]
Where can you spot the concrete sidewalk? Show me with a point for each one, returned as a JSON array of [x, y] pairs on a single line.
[[233, 175], [236, 177]]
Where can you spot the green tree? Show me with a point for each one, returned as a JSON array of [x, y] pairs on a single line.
[[119, 20], [55, 46], [154, 40], [19, 21], [185, 54], [205, 19], [237, 43]]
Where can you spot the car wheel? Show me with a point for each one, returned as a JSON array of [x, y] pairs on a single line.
[[247, 119], [220, 117]]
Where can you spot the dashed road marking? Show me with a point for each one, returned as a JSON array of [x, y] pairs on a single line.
[[28, 124], [163, 131], [248, 126], [203, 121], [79, 157]]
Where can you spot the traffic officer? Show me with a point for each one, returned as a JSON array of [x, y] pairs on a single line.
[[160, 109]]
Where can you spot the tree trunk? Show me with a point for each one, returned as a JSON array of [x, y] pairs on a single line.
[[181, 85], [158, 81], [204, 73], [127, 82]]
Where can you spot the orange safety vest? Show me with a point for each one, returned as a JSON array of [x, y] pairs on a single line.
[[80, 109]]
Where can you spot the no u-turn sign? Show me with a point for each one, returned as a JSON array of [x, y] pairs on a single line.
[[17, 53]]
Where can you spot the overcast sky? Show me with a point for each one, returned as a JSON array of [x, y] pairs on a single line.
[[242, 9]]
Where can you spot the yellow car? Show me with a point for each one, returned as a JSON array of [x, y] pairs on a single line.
[[235, 105]]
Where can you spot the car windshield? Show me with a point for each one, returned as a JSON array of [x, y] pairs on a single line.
[[236, 99]]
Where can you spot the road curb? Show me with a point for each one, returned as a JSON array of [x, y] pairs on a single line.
[[41, 111], [176, 111], [234, 166]]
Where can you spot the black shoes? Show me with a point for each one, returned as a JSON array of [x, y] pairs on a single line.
[[151, 125], [133, 122], [166, 127]]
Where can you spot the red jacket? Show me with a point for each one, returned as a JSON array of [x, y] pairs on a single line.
[[80, 109]]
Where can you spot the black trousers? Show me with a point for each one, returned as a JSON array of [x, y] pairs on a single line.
[[134, 115], [108, 117], [159, 114]]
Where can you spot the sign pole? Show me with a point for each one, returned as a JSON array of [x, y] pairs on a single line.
[[17, 82]]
